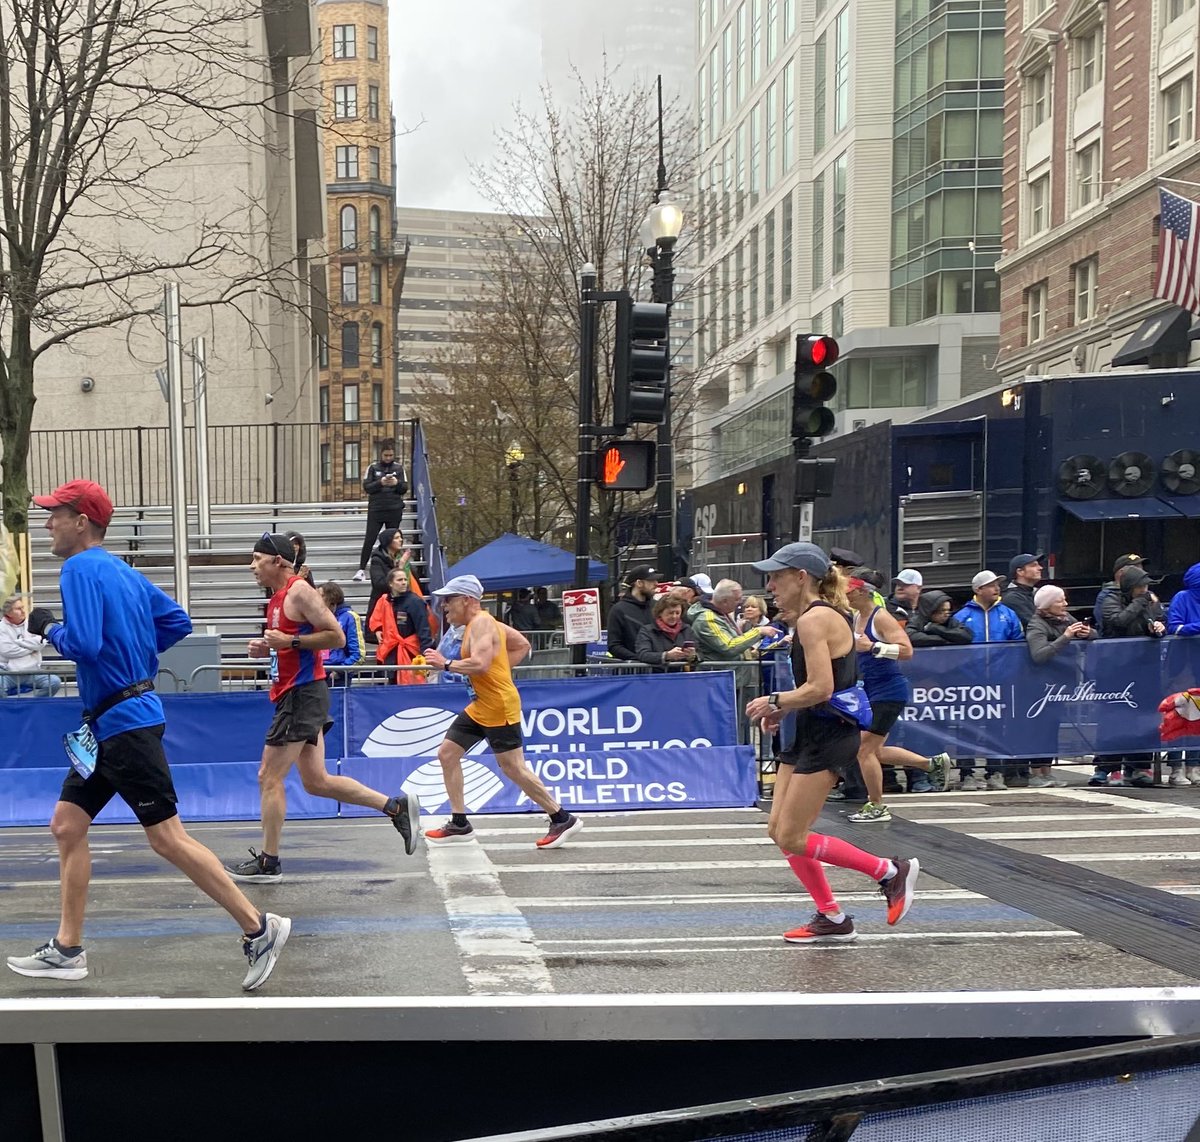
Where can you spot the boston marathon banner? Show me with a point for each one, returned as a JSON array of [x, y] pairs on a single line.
[[633, 742], [1094, 697]]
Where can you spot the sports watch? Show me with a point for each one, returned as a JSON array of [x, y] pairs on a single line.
[[296, 643], [773, 701]]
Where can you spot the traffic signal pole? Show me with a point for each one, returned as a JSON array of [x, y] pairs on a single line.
[[588, 312]]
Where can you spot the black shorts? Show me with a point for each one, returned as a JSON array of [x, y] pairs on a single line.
[[822, 743], [133, 766], [884, 715], [466, 732], [301, 715]]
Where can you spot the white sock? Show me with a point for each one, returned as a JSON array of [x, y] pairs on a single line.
[[892, 870], [834, 917]]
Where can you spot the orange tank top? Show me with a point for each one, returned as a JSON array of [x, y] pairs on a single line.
[[497, 702]]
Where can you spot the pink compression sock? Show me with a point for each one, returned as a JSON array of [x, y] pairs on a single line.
[[812, 876], [832, 850]]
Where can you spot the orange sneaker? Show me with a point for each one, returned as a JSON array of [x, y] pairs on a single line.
[[898, 890], [821, 930]]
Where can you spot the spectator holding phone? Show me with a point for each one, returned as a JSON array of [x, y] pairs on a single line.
[[667, 642]]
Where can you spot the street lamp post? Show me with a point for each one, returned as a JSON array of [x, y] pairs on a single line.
[[513, 459], [659, 233]]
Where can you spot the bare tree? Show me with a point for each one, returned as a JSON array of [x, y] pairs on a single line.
[[105, 107]]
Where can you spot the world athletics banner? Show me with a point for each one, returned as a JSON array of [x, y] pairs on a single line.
[[992, 701]]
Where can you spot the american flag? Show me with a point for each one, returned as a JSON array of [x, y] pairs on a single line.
[[1178, 277]]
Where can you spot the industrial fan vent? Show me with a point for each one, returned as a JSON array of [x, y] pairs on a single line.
[[1181, 472], [1131, 474], [1081, 477]]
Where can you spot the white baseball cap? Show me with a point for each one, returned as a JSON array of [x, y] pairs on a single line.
[[984, 578], [910, 578], [467, 585]]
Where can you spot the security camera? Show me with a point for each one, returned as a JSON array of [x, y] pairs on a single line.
[[87, 384]]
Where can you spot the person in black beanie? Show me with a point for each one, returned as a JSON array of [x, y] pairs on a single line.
[[385, 484]]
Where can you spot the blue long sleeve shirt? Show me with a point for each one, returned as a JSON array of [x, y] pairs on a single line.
[[1183, 615], [115, 625]]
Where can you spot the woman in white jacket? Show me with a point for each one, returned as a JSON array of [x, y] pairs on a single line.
[[21, 652]]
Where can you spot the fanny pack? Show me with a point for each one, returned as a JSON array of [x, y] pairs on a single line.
[[82, 748], [850, 706]]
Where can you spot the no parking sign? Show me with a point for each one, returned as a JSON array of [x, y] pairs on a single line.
[[581, 614]]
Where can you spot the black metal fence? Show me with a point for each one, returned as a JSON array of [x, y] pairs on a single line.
[[247, 463]]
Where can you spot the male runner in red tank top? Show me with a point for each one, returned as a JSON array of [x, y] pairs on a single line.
[[299, 625]]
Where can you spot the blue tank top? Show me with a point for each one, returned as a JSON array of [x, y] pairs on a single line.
[[882, 677]]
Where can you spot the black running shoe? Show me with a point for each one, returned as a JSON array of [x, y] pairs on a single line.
[[405, 812], [257, 868]]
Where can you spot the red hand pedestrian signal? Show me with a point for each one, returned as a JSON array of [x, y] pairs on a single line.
[[613, 463]]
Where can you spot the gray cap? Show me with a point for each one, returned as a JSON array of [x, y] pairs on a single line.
[[467, 585], [799, 557]]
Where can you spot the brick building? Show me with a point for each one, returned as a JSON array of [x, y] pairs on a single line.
[[357, 360], [1100, 107]]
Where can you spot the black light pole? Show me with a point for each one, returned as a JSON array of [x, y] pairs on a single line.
[[588, 304], [513, 459], [662, 229]]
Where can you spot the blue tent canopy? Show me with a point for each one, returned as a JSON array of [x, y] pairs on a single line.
[[510, 562]]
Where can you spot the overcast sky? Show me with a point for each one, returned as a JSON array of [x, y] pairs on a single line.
[[460, 65]]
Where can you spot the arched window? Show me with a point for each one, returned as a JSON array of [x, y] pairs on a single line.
[[350, 345], [349, 221], [374, 223]]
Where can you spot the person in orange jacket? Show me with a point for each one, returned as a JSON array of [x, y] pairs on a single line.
[[401, 621]]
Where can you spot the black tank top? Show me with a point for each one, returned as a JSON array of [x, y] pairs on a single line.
[[845, 669]]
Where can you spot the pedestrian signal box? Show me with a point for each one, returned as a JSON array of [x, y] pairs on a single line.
[[626, 465]]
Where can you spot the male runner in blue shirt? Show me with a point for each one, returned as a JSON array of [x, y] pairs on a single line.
[[116, 625]]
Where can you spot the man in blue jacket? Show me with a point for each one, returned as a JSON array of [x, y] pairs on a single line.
[[1183, 615], [116, 623], [989, 620]]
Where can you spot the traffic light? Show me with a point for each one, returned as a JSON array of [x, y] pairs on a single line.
[[641, 368], [813, 386], [626, 466]]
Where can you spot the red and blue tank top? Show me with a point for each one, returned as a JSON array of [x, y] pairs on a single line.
[[290, 668]]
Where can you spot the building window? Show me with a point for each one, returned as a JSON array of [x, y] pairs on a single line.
[[373, 222], [322, 352], [373, 163], [772, 31], [350, 282], [377, 401], [345, 100], [841, 71], [884, 382], [769, 264], [1087, 175], [837, 318], [323, 404], [376, 285], [1035, 305], [785, 259], [1173, 9], [1085, 275], [1034, 8], [755, 151], [372, 42], [1091, 61], [350, 345], [1037, 96], [753, 276], [740, 54], [727, 73], [348, 219], [326, 464], [1039, 204], [818, 231], [739, 281], [351, 465], [1177, 114], [343, 41], [350, 403], [345, 162], [373, 101], [839, 214], [789, 115], [769, 131], [819, 110], [756, 9], [377, 348]]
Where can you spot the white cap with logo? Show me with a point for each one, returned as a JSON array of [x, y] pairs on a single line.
[[467, 585]]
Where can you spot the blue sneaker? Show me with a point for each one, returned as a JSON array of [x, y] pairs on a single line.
[[922, 786]]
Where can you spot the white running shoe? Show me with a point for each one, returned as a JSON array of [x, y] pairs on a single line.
[[360, 576], [262, 951], [48, 962], [1179, 777]]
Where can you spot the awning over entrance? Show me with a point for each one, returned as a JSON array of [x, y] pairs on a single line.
[[1165, 332], [1144, 507]]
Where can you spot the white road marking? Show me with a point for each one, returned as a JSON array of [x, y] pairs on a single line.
[[1087, 834], [679, 944], [1024, 819], [496, 944], [1132, 804]]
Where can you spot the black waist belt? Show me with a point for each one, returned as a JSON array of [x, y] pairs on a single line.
[[138, 688]]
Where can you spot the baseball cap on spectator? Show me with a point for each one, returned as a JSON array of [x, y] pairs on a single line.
[[467, 585], [1019, 561], [703, 583], [643, 572], [690, 583], [984, 578], [83, 496], [1047, 595], [799, 557], [1124, 561], [1132, 576], [910, 578], [844, 557]]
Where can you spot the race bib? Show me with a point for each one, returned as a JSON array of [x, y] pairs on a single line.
[[83, 750]]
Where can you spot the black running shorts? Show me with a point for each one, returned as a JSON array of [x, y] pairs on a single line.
[[301, 715], [822, 743], [884, 715], [133, 766], [466, 732]]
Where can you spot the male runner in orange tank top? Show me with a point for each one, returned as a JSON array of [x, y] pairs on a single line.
[[489, 651]]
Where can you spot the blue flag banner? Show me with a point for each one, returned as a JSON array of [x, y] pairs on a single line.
[[993, 701]]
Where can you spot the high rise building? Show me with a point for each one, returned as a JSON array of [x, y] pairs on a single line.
[[357, 361], [1101, 109], [848, 185]]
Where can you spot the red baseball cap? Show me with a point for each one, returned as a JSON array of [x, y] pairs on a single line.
[[83, 496]]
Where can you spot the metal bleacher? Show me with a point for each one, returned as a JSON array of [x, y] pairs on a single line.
[[225, 600]]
